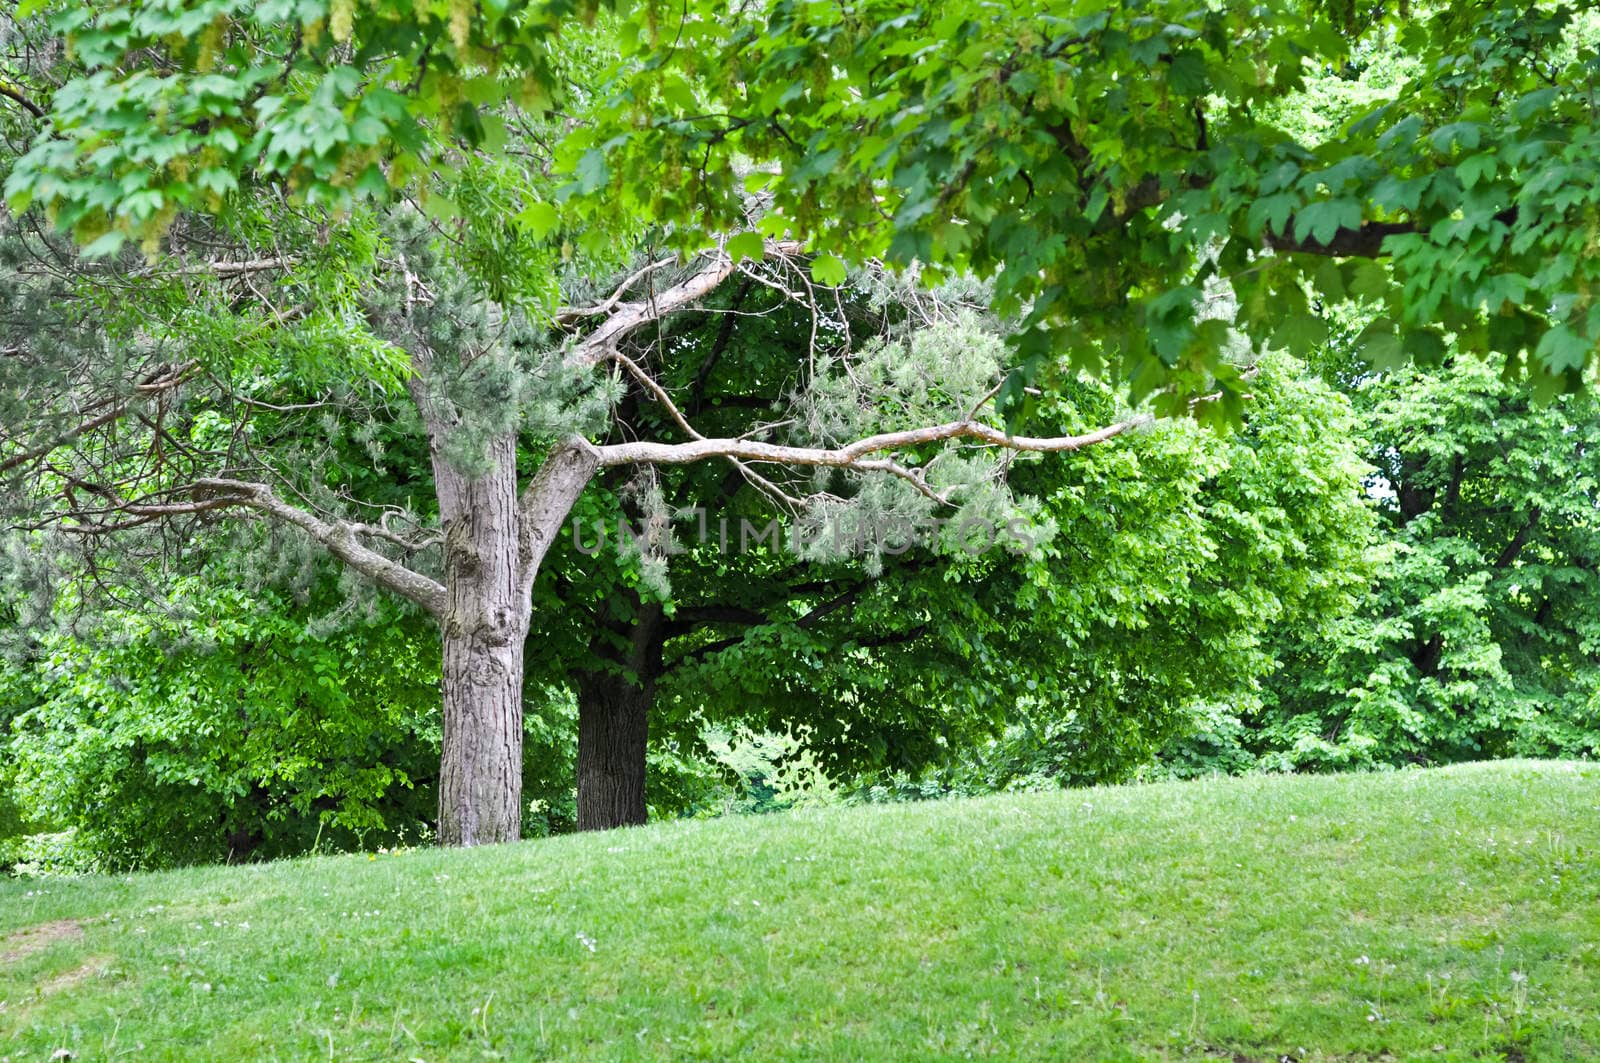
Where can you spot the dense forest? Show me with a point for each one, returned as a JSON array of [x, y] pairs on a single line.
[[453, 422]]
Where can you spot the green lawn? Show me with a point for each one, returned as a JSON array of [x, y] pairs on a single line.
[[1450, 914]]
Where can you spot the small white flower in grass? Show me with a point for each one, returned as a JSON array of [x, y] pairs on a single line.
[[1361, 961], [588, 942]]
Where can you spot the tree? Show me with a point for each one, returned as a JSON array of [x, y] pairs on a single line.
[[1124, 166], [232, 724], [1478, 639], [1153, 575], [136, 440]]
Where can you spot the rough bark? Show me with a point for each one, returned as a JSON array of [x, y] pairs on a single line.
[[613, 730], [480, 776], [493, 547], [614, 726]]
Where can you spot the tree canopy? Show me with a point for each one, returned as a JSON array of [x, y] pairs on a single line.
[[1115, 162]]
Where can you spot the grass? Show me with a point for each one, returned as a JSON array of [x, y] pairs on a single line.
[[1447, 914]]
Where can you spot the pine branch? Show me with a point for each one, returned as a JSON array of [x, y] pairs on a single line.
[[853, 455], [337, 537]]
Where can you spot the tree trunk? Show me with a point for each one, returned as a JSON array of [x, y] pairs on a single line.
[[494, 545], [480, 774], [613, 729], [614, 720], [480, 771]]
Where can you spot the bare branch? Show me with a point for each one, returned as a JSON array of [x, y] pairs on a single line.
[[225, 269], [661, 396], [154, 385], [626, 317], [853, 454], [568, 314]]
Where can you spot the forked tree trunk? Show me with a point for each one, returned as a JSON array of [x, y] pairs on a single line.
[[613, 731]]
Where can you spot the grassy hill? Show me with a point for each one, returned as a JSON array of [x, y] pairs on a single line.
[[1450, 914]]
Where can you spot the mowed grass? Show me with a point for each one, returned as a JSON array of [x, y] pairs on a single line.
[[1449, 914]]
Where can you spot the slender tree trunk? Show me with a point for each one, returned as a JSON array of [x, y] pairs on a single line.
[[614, 722], [613, 730]]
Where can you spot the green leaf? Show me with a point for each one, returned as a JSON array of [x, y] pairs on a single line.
[[747, 245], [1271, 211], [1382, 349], [1426, 347], [1300, 333], [1187, 74], [591, 171], [1397, 194], [1369, 279], [105, 246], [1476, 168], [828, 269], [539, 219], [1463, 135], [1323, 221], [1561, 349]]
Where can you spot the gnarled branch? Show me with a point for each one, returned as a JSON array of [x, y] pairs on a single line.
[[852, 455], [337, 537], [625, 317]]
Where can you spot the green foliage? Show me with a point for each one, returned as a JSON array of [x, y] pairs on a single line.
[[339, 100], [1108, 166], [1180, 559], [1173, 921], [1477, 638], [237, 732]]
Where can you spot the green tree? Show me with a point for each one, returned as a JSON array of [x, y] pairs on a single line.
[[237, 728], [138, 443], [1478, 639], [1161, 569], [1127, 167]]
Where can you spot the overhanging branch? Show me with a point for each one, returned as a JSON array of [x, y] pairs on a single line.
[[337, 537], [624, 317]]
